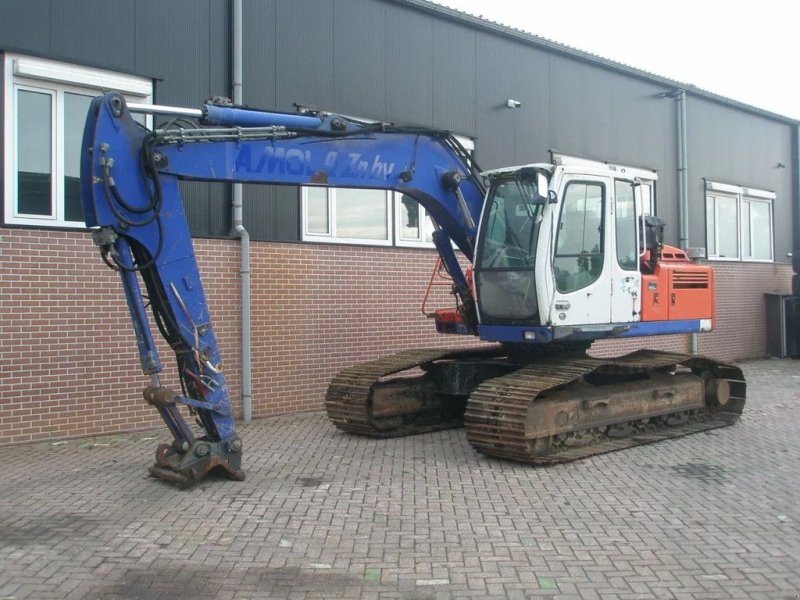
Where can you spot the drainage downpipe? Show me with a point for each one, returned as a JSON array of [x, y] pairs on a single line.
[[238, 221], [683, 188]]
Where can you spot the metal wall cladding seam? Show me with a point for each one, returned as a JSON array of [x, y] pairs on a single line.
[[174, 42], [597, 108], [532, 122], [566, 105], [409, 66], [259, 53], [287, 48], [272, 213], [454, 78], [95, 31], [26, 26], [302, 53], [219, 76], [180, 43], [496, 123], [731, 146], [206, 207], [359, 51]]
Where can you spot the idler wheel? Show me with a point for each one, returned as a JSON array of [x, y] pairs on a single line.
[[718, 391]]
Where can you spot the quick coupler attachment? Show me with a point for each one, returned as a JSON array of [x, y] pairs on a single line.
[[186, 464], [188, 459]]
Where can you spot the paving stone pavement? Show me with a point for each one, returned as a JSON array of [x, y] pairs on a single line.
[[324, 514]]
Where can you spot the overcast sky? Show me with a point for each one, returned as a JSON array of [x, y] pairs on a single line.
[[745, 51]]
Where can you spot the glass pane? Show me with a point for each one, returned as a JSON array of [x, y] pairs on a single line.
[[409, 219], [512, 229], [34, 149], [711, 226], [75, 109], [430, 228], [505, 276], [728, 224], [746, 230], [762, 227], [361, 214], [625, 220], [646, 191], [317, 211], [579, 248]]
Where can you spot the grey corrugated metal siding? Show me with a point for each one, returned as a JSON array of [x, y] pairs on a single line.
[[408, 61], [409, 66]]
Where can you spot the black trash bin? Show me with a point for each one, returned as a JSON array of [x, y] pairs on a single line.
[[783, 321]]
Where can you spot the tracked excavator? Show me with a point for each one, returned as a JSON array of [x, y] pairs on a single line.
[[559, 255]]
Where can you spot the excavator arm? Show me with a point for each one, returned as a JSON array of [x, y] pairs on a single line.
[[131, 200]]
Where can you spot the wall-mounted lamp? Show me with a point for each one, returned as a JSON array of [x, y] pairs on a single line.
[[511, 103]]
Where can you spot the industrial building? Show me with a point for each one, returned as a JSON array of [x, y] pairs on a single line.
[[338, 275]]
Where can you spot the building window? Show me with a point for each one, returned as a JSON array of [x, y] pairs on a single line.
[[346, 215], [373, 217], [414, 226], [756, 229], [45, 110], [738, 223]]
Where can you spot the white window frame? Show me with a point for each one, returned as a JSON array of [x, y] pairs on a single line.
[[746, 203], [55, 79], [332, 236], [715, 196], [426, 226], [744, 198]]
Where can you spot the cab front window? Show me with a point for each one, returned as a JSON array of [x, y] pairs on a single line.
[[505, 266], [512, 228]]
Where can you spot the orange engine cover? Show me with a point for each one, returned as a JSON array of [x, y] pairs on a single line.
[[677, 289]]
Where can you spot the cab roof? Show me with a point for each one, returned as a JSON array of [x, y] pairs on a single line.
[[503, 171]]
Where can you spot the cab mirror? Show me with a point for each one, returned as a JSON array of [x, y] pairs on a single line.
[[552, 197], [541, 183]]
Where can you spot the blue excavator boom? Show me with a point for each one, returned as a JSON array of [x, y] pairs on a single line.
[[131, 200]]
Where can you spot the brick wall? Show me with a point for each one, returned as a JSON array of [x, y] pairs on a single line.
[[740, 328], [69, 360], [67, 350], [320, 308]]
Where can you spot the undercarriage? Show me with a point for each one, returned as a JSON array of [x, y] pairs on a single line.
[[542, 408]]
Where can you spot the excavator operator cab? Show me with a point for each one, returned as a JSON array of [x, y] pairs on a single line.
[[507, 247], [556, 243]]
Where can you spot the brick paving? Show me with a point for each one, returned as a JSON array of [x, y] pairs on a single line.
[[327, 515]]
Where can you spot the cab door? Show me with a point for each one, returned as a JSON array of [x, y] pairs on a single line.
[[580, 251], [626, 280]]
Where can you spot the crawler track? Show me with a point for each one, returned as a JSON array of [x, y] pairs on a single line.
[[501, 406], [349, 397], [497, 410]]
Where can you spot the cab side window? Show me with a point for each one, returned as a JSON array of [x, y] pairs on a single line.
[[625, 221], [578, 258]]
